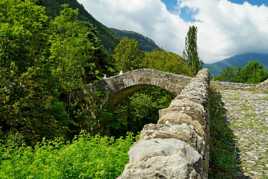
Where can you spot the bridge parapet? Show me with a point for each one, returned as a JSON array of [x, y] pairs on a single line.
[[177, 146]]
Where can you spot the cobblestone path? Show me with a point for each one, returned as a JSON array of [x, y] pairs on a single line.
[[247, 114]]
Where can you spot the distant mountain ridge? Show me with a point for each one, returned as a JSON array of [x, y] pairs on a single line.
[[146, 43], [237, 61], [110, 37]]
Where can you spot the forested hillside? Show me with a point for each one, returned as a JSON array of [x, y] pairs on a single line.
[[110, 37], [107, 37]]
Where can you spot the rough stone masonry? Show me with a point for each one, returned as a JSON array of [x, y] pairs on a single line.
[[177, 146]]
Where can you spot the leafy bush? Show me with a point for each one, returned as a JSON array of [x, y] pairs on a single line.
[[85, 157]]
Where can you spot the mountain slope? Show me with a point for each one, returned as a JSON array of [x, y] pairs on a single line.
[[237, 61], [146, 43], [109, 37]]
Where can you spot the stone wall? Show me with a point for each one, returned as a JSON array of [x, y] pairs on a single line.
[[177, 146]]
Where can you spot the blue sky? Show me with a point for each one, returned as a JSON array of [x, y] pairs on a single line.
[[188, 15], [172, 3], [255, 2]]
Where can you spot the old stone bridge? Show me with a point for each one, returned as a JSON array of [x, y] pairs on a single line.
[[178, 145]]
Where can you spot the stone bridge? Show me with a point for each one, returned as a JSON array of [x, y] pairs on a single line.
[[178, 145], [118, 87]]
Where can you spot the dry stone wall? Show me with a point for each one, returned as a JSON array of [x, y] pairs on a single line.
[[177, 146]]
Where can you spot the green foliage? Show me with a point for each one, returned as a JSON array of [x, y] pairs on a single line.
[[134, 112], [252, 72], [166, 61], [22, 37], [127, 55], [191, 51], [85, 157], [45, 66], [70, 51]]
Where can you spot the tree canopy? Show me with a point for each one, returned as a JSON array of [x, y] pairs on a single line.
[[128, 55], [45, 66]]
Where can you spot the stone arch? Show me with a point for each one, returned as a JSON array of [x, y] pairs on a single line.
[[129, 82]]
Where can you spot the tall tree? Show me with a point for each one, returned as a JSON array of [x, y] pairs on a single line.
[[191, 52]]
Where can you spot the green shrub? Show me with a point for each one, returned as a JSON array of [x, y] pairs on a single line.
[[85, 157]]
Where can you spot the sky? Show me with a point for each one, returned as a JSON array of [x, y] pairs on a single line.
[[225, 27]]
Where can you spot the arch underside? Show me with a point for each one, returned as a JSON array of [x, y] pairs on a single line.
[[116, 98]]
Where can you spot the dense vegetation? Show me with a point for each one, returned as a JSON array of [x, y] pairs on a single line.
[[85, 157], [252, 72], [45, 66], [134, 112]]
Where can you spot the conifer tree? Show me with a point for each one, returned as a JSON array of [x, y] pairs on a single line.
[[191, 52]]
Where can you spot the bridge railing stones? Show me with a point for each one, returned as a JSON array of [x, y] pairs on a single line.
[[177, 146]]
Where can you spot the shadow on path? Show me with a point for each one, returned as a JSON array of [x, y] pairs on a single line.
[[224, 155]]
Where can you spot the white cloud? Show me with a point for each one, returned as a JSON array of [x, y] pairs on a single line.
[[225, 28]]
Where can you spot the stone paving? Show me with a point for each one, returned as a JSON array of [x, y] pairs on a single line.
[[247, 116]]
